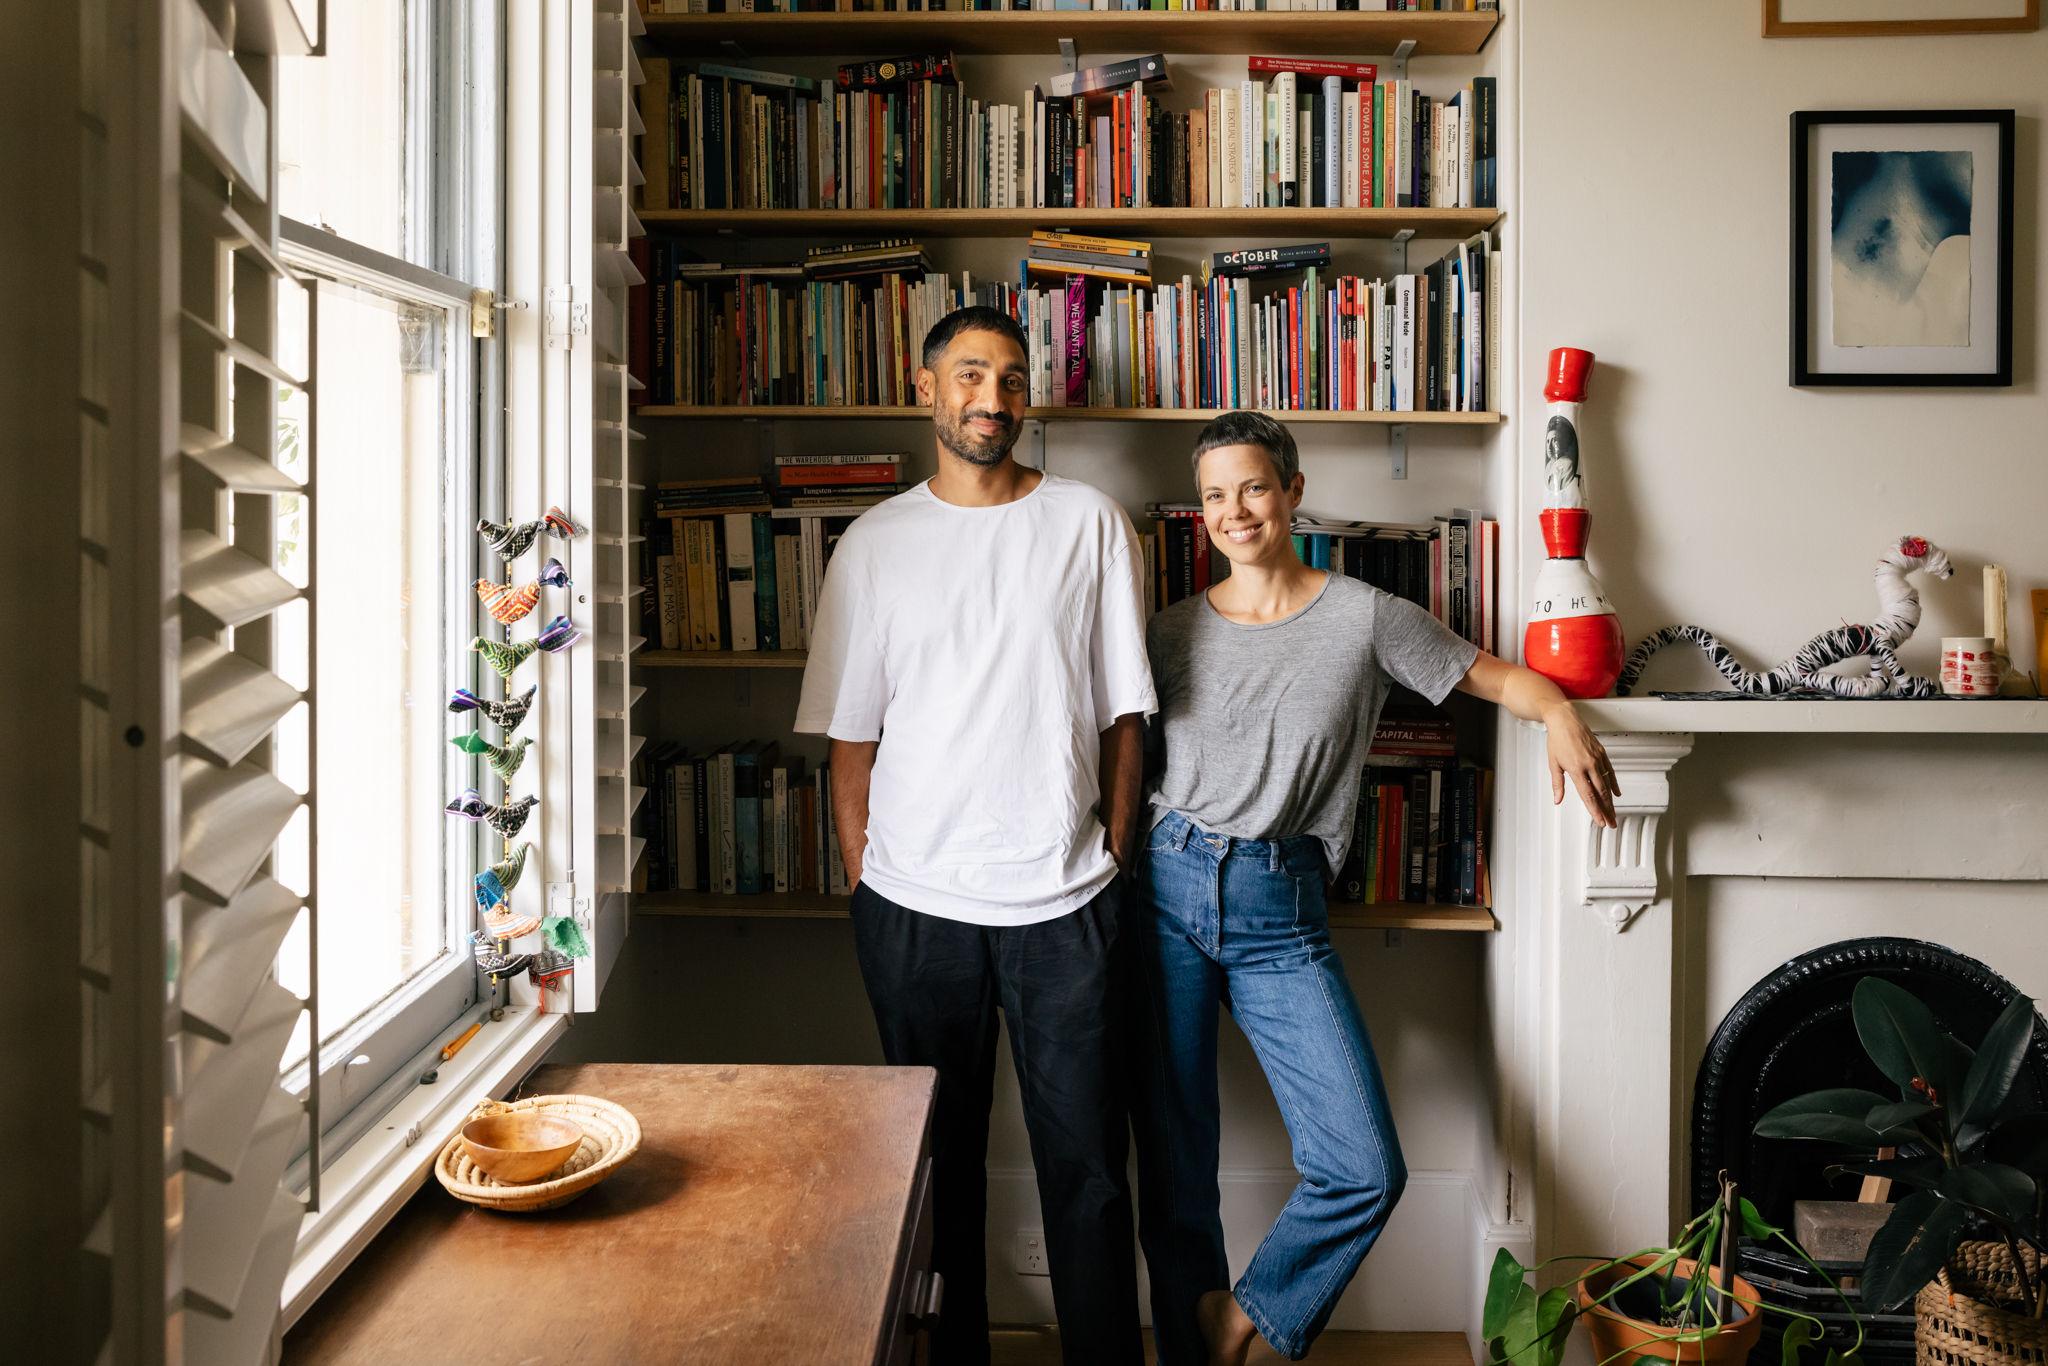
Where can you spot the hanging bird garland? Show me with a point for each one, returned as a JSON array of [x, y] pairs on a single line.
[[1898, 616], [508, 714], [556, 636], [508, 820], [509, 603], [503, 759], [495, 883], [515, 540]]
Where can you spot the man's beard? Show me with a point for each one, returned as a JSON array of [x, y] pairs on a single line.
[[986, 451]]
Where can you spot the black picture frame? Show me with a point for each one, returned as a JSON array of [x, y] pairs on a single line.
[[1998, 373]]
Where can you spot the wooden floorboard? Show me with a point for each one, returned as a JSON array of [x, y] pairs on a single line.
[[1027, 1346]]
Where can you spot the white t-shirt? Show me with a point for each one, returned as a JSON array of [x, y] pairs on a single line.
[[987, 648]]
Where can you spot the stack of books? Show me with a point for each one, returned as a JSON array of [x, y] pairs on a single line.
[[836, 485], [861, 260], [1057, 255], [739, 820], [1419, 834], [1449, 567]]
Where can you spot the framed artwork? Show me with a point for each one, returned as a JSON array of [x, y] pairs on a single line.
[[1879, 18], [1902, 247]]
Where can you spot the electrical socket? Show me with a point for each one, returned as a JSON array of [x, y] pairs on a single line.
[[1030, 1260]]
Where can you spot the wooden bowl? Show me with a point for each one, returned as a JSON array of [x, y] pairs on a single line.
[[520, 1146]]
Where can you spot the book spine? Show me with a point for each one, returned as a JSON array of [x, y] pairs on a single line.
[[747, 824], [778, 824], [684, 826], [767, 633], [700, 815], [739, 580]]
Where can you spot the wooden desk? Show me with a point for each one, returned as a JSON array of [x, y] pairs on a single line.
[[772, 1214]]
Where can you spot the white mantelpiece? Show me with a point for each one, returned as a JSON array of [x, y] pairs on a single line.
[[1596, 1079]]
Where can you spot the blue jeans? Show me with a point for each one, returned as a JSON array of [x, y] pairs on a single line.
[[1242, 923]]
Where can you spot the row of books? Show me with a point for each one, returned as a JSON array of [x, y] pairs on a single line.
[[738, 820], [1419, 836], [1296, 132], [741, 580], [918, 6], [1449, 566], [902, 133], [1424, 342]]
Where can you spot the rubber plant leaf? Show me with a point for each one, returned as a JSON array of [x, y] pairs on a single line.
[[1503, 1283], [1912, 1171], [1997, 1064], [1753, 1223], [1556, 1310], [1798, 1333], [1899, 1034], [1837, 1115], [2003, 1192], [1904, 1255], [2022, 1142], [1894, 1120]]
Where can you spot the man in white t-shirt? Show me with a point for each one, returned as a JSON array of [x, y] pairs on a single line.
[[979, 662]]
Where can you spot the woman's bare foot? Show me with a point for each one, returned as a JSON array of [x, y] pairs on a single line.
[[1225, 1328]]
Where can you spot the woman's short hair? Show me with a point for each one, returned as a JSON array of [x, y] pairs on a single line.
[[1249, 429]]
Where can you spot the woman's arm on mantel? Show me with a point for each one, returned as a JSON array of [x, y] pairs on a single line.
[[1574, 750]]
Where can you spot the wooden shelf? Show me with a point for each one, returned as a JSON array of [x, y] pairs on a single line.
[[1071, 415], [814, 906], [722, 659], [1427, 224], [1093, 31]]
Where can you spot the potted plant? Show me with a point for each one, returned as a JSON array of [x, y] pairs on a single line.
[[1967, 1154], [1655, 1305]]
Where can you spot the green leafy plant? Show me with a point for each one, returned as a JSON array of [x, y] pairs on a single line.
[[1523, 1327], [1975, 1158]]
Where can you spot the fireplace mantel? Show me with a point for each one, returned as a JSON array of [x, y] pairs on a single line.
[[1594, 1091]]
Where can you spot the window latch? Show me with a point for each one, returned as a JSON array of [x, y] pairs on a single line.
[[567, 318]]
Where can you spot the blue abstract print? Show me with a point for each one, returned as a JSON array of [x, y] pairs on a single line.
[[1899, 239]]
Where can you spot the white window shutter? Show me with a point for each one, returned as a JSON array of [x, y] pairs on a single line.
[[591, 455]]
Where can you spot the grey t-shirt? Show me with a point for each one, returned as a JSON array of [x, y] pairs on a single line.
[[1262, 730]]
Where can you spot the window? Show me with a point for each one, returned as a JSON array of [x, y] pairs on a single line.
[[389, 174]]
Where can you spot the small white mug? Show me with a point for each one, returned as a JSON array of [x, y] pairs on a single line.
[[1968, 666]]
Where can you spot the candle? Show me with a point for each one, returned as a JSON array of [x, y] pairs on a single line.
[[1994, 608]]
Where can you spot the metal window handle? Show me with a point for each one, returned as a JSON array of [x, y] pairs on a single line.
[[921, 1307]]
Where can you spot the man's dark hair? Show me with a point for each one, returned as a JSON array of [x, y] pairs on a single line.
[[976, 318], [1250, 429]]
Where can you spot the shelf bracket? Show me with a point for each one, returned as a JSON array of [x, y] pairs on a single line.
[[733, 52], [1397, 63], [1397, 449], [1067, 58], [1401, 240], [1034, 448]]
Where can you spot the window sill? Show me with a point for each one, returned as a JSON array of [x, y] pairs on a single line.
[[380, 1171]]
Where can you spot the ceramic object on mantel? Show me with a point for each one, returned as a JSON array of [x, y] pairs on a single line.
[[1573, 637], [1617, 1338]]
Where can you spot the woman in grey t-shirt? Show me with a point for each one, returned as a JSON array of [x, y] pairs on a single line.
[[1269, 687]]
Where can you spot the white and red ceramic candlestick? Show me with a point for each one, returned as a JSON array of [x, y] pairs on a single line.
[[1573, 638]]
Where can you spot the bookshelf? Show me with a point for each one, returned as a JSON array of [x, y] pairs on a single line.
[[1384, 224], [723, 659], [790, 410], [815, 906], [988, 32]]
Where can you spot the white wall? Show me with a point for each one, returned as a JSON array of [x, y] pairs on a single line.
[[1655, 159], [1653, 218]]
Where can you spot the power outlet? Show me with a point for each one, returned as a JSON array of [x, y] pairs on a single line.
[[1031, 1253]]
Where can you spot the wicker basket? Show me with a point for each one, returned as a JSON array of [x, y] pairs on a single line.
[[1953, 1327], [610, 1136]]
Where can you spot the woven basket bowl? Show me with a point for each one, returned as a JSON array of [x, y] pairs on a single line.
[[1953, 1327], [610, 1136]]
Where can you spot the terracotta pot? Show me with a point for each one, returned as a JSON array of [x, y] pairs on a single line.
[[1618, 1339]]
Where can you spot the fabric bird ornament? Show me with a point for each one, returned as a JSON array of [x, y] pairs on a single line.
[[513, 541], [507, 820], [503, 759], [508, 603], [556, 636], [495, 960], [495, 883], [508, 714]]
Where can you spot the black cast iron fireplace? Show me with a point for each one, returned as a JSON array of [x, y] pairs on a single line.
[[1792, 1033]]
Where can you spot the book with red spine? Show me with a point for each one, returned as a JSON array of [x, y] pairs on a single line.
[[1363, 72], [838, 474]]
